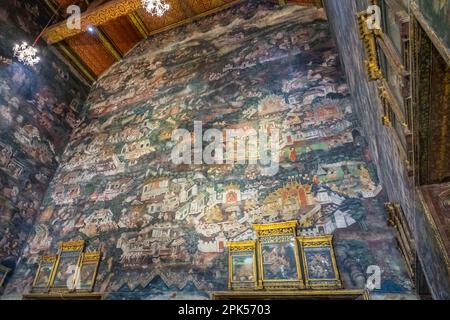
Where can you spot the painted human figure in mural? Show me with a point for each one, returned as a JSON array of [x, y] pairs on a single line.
[[232, 197], [320, 266], [292, 155]]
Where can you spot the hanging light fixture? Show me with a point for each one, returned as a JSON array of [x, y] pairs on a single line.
[[28, 54], [156, 7]]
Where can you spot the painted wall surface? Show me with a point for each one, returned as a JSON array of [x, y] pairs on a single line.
[[38, 109], [385, 153], [437, 14], [162, 227]]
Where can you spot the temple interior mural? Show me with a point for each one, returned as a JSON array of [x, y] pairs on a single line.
[[89, 172], [163, 227], [38, 112]]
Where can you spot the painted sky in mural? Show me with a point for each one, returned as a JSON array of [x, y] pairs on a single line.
[[38, 109], [163, 227]]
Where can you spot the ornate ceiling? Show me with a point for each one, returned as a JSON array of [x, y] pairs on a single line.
[[120, 25]]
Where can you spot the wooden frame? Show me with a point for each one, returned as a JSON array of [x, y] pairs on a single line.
[[46, 264], [404, 236], [279, 239], [63, 296], [65, 280], [368, 38], [3, 274], [318, 252], [239, 251], [339, 294], [87, 273]]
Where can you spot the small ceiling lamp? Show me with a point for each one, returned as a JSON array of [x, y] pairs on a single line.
[[28, 54], [156, 7]]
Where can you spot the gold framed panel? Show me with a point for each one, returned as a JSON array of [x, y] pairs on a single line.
[[44, 274], [242, 257], [275, 240], [319, 262], [87, 273], [68, 263]]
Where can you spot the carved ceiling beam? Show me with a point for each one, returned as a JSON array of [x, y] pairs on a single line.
[[109, 11], [139, 25]]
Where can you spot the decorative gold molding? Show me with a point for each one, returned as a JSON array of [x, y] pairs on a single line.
[[278, 228], [90, 257], [318, 241], [63, 296], [368, 38], [242, 246], [72, 245], [109, 11], [388, 97], [391, 110]]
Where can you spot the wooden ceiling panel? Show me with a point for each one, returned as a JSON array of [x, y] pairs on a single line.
[[91, 51], [201, 6], [118, 25], [122, 33]]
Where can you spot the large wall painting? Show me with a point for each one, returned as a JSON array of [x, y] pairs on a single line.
[[162, 228]]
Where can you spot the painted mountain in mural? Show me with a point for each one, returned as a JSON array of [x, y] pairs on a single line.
[[163, 227]]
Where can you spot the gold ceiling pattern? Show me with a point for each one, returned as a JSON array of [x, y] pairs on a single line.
[[120, 25]]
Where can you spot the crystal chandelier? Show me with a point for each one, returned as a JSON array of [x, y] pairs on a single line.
[[156, 7], [26, 54]]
